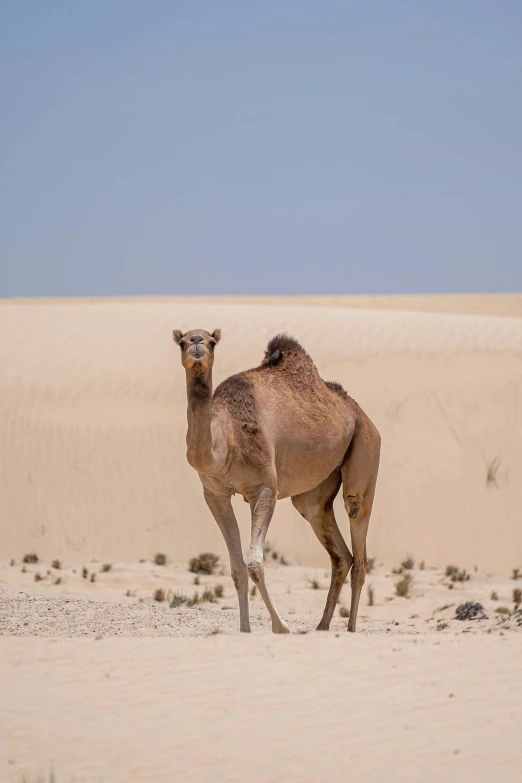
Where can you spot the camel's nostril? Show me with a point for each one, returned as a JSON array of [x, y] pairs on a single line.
[[196, 338]]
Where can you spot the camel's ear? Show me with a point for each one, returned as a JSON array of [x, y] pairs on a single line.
[[216, 334], [177, 335]]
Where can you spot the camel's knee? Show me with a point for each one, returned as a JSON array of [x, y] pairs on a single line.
[[354, 505], [341, 564], [358, 575], [239, 576], [255, 570]]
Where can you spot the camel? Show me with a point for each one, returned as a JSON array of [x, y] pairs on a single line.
[[273, 432]]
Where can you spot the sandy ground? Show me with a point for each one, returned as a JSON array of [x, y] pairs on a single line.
[[93, 422], [93, 471], [93, 689]]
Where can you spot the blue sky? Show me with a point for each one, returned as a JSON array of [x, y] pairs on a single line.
[[208, 147]]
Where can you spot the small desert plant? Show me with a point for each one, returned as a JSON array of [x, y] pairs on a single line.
[[397, 571], [456, 574], [159, 594], [160, 559], [402, 587], [408, 563], [274, 555], [314, 584], [370, 564], [451, 569], [344, 611], [502, 610], [58, 580], [491, 475], [253, 591], [177, 600], [218, 591], [85, 573], [31, 557], [371, 595], [194, 600], [494, 595], [208, 595], [516, 574], [93, 577], [24, 569], [195, 581], [38, 577], [56, 564], [204, 563], [12, 561], [106, 567], [517, 596]]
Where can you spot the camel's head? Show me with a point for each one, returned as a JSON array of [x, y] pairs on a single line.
[[197, 349]]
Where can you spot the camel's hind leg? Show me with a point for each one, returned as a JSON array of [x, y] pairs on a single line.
[[316, 506], [359, 474]]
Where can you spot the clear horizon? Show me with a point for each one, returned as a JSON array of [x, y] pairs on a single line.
[[159, 150]]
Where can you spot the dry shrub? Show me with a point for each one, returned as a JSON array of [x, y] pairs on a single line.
[[516, 574], [12, 561], [408, 564], [56, 564], [93, 577], [85, 573], [38, 577], [314, 584], [160, 559], [58, 580], [371, 595], [23, 569], [30, 557], [177, 600], [402, 587], [204, 563], [159, 594], [219, 591], [195, 581], [502, 610], [494, 595], [344, 611], [106, 567], [491, 475], [456, 574], [208, 595], [517, 596], [194, 600]]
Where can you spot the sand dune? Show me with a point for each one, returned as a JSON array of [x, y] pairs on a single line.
[[93, 426]]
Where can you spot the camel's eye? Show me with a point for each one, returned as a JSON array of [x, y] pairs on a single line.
[[182, 344], [212, 344]]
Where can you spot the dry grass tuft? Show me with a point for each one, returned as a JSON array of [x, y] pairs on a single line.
[[56, 564], [408, 564], [204, 563], [491, 475], [93, 577], [314, 584], [31, 557], [494, 595], [402, 587], [517, 596], [516, 574], [58, 580], [194, 600], [177, 599], [456, 574], [344, 611], [208, 595], [12, 562], [38, 577], [106, 567], [219, 591], [159, 594], [160, 559], [195, 581], [502, 610], [85, 573], [371, 595]]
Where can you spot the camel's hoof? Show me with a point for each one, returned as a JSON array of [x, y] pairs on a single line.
[[323, 627], [283, 628]]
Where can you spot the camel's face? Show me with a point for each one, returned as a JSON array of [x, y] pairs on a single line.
[[197, 349]]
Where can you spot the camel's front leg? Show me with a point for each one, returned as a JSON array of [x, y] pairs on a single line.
[[262, 509], [223, 513]]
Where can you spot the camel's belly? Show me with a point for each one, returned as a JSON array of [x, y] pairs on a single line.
[[299, 470]]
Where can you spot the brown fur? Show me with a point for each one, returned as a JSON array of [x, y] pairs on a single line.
[[276, 431]]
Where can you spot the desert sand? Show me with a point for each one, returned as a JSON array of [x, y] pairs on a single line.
[[93, 470]]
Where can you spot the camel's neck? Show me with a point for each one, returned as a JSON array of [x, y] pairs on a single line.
[[199, 416]]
